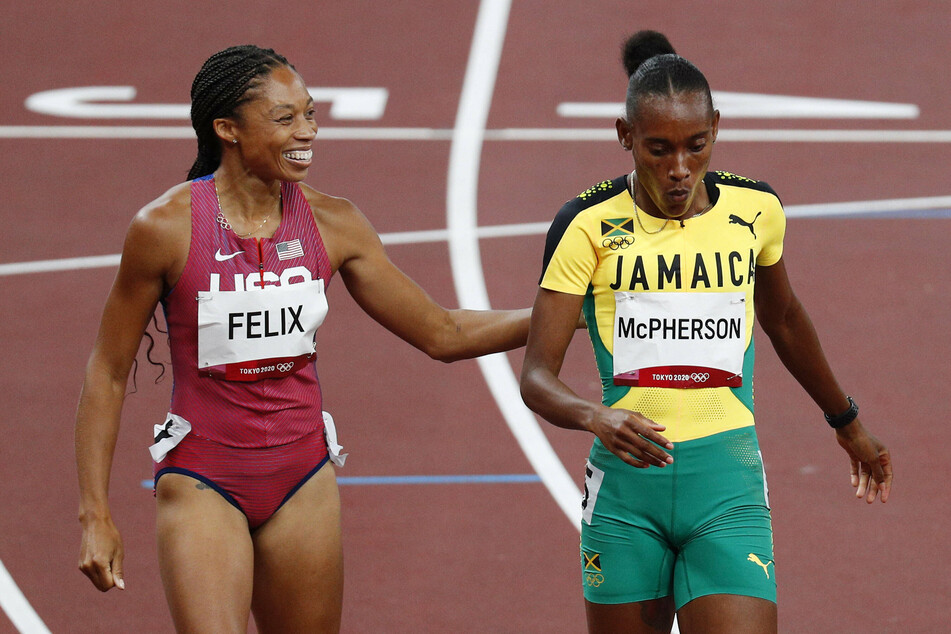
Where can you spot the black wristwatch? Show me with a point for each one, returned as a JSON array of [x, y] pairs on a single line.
[[841, 420]]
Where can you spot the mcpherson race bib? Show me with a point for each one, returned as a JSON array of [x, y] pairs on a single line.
[[266, 333], [682, 340]]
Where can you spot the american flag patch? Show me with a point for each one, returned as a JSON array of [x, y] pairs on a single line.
[[288, 250]]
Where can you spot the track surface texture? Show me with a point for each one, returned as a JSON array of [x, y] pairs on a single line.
[[465, 554]]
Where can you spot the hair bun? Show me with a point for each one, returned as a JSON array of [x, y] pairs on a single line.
[[642, 46]]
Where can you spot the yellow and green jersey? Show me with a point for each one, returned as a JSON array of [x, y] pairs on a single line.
[[597, 247]]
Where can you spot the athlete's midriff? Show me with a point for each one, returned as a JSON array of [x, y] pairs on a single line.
[[688, 414]]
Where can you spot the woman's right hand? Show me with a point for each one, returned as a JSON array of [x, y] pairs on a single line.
[[153, 257], [632, 437], [101, 554]]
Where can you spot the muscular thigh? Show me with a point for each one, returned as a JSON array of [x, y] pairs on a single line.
[[643, 617], [205, 556], [298, 561], [728, 614]]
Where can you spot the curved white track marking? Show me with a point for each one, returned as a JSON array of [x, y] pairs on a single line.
[[21, 614], [461, 204], [100, 102]]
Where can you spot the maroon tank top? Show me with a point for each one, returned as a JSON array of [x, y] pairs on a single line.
[[248, 412]]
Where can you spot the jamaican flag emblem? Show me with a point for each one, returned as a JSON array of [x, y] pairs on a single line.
[[592, 561], [617, 227], [617, 233]]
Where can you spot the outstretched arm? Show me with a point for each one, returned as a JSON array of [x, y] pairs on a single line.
[[786, 323], [623, 432], [391, 298]]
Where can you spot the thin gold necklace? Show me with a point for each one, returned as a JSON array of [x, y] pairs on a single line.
[[227, 225], [666, 220], [637, 215]]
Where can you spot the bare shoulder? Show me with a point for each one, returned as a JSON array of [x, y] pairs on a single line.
[[346, 232], [159, 234], [331, 209], [165, 212]]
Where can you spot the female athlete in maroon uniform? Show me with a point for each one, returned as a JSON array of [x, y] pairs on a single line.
[[235, 424], [248, 509]]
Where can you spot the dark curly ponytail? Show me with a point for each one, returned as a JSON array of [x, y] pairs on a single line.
[[219, 88], [642, 46]]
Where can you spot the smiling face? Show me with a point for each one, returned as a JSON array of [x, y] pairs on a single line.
[[275, 128], [671, 138]]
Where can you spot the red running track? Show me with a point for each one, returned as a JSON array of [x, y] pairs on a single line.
[[476, 557]]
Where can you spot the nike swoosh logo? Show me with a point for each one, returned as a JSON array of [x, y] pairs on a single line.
[[221, 257]]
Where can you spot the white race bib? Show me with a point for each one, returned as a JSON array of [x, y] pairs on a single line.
[[683, 340], [249, 335]]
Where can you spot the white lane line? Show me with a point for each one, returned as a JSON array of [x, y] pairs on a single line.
[[63, 264], [21, 613], [461, 219], [735, 135], [941, 205], [741, 135], [834, 136], [95, 132], [185, 132], [745, 105], [869, 207]]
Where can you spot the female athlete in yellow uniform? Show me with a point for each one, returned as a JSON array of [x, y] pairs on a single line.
[[664, 262]]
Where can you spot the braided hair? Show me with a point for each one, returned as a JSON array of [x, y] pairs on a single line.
[[654, 68], [219, 88]]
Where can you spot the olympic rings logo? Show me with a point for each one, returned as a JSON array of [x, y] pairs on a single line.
[[594, 579], [700, 377], [617, 242], [285, 367]]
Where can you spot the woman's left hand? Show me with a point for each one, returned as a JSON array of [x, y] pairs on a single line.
[[871, 464]]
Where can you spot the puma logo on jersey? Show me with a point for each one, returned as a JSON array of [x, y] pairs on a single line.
[[759, 562], [223, 257], [736, 220]]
